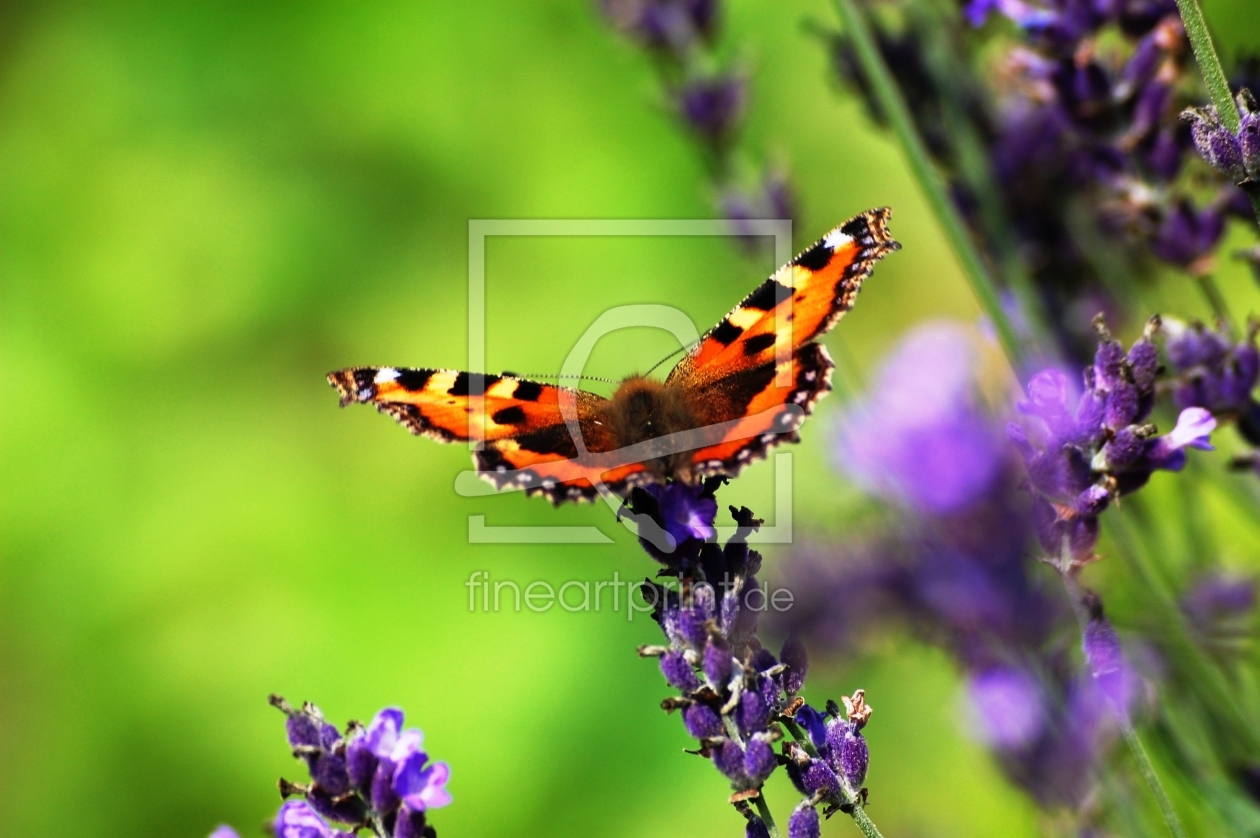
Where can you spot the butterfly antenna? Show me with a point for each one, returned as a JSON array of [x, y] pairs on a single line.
[[670, 355], [558, 376]]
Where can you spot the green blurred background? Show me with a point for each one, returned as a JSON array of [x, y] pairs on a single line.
[[203, 209]]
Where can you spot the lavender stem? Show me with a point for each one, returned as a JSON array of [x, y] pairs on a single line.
[[892, 103], [1147, 770], [763, 809], [1216, 300], [1213, 74]]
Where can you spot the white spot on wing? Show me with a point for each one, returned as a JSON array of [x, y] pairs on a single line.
[[836, 240], [385, 375]]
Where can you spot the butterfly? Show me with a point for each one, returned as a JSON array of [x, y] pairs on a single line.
[[745, 386]]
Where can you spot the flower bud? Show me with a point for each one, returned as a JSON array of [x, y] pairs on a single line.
[[678, 672], [804, 822]]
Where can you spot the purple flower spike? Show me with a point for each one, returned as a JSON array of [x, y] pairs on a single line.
[[297, 819], [804, 822], [225, 832], [422, 786]]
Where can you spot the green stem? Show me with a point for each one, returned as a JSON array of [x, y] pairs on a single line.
[[1209, 63], [1216, 300], [1147, 771], [1204, 677], [1213, 73], [1145, 768], [763, 809], [894, 106]]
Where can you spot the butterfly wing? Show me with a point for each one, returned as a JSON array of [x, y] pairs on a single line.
[[757, 371], [526, 442]]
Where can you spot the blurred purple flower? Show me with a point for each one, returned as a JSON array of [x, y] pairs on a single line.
[[1006, 709], [918, 436], [712, 107], [671, 25], [1105, 657], [225, 832]]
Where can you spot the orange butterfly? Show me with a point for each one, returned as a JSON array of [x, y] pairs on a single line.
[[747, 385]]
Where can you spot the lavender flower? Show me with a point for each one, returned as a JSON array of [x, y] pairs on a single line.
[[709, 99], [1081, 452], [1221, 611], [735, 695], [1210, 369], [1234, 154], [1064, 125], [377, 777], [919, 437], [225, 831]]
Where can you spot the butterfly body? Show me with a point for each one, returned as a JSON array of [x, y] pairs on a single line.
[[746, 386]]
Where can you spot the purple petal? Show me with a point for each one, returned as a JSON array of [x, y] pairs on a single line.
[[297, 819], [1194, 429], [382, 733], [421, 787]]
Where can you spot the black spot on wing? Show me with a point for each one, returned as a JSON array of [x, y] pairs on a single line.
[[769, 295], [726, 333], [816, 258], [757, 343], [509, 416], [413, 380], [527, 391], [466, 383], [551, 440]]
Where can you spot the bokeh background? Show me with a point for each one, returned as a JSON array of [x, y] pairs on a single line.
[[204, 207]]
